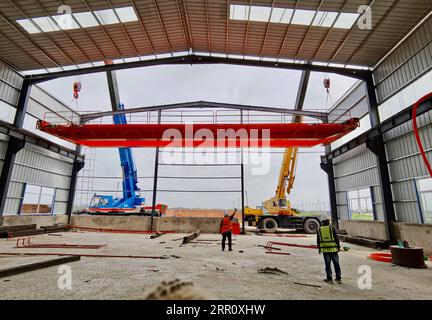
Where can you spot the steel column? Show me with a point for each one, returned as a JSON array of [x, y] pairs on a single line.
[[155, 178], [328, 168], [76, 167], [377, 146], [22, 104], [14, 145], [113, 90], [243, 231]]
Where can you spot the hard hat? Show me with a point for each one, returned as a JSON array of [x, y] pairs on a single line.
[[225, 214]]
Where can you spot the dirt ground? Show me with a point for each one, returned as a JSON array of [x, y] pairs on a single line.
[[225, 275]]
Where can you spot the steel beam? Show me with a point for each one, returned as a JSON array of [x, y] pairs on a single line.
[[29, 137], [385, 126], [196, 59], [322, 116]]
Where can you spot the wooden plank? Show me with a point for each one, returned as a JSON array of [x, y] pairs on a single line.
[[22, 233], [156, 235], [18, 227], [37, 265], [191, 237]]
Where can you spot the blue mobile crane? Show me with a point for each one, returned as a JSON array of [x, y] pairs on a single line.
[[131, 202]]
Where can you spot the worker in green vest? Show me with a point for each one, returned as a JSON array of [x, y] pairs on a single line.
[[328, 244]]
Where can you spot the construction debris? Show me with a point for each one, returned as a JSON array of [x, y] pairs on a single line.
[[25, 243], [55, 228], [79, 254], [29, 230], [260, 245], [191, 237], [268, 270], [271, 243], [156, 235], [371, 243], [307, 284], [37, 265]]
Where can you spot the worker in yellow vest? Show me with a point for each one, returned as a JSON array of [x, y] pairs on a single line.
[[328, 244], [226, 229]]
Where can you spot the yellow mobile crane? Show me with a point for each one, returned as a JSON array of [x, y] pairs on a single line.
[[276, 212]]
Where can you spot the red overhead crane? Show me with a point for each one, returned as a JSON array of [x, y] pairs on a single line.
[[252, 135]]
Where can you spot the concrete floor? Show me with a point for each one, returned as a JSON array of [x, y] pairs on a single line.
[[225, 275]]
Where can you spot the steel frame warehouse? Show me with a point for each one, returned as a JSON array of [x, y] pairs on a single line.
[[393, 61]]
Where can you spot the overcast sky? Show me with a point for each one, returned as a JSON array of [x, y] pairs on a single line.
[[221, 83]]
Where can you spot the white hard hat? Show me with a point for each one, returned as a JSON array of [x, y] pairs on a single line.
[[225, 213]]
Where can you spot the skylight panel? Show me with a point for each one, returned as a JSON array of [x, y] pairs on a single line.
[[324, 19], [46, 24], [28, 26], [239, 12], [106, 16], [286, 16], [66, 22], [302, 17], [346, 20], [281, 15], [126, 14], [258, 13], [86, 19]]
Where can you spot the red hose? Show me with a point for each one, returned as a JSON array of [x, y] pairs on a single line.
[[416, 133], [381, 256]]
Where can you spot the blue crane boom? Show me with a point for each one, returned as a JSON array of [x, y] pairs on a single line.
[[130, 180], [131, 200]]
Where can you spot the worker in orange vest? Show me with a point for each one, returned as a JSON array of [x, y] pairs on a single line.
[[226, 229]]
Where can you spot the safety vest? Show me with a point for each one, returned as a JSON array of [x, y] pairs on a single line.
[[226, 225], [327, 241]]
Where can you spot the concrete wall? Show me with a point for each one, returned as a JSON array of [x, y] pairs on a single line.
[[189, 224], [366, 229], [418, 235], [39, 220], [113, 223], [177, 224]]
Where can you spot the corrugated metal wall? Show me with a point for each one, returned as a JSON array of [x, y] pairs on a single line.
[[353, 104], [408, 62], [406, 68], [356, 169], [33, 164], [406, 165], [10, 84]]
